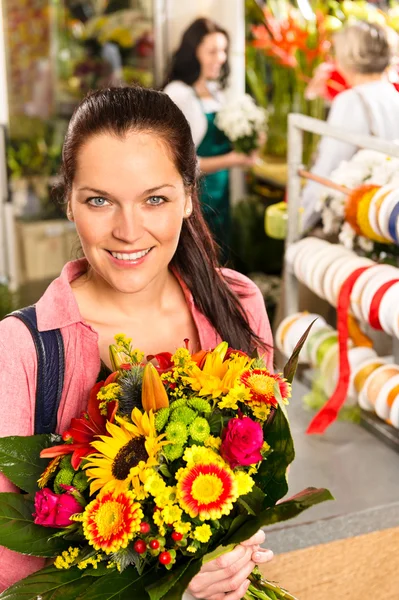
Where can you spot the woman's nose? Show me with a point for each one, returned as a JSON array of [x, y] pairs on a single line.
[[128, 226]]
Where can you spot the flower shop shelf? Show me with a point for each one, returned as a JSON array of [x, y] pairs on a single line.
[[298, 124]]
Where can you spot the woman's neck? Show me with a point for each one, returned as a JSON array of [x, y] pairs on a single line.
[[96, 296], [201, 87], [362, 78]]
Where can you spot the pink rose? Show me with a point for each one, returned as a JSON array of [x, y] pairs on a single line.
[[242, 440], [54, 510]]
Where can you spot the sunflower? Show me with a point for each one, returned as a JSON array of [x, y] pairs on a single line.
[[124, 454], [207, 491], [262, 386], [111, 520]]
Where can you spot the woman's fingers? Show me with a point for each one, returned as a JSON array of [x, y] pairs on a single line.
[[225, 560], [206, 581], [231, 584], [262, 556], [255, 540]]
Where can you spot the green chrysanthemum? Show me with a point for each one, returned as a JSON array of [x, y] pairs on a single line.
[[161, 418], [178, 403], [80, 481], [184, 415], [200, 405], [199, 429], [173, 451], [65, 463], [176, 433], [64, 477]]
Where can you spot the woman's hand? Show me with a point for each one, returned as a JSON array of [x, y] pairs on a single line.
[[245, 161], [226, 577]]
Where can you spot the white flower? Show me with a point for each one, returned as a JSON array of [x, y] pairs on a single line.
[[347, 236], [365, 244], [241, 117], [330, 222]]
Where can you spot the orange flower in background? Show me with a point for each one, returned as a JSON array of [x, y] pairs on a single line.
[[291, 40], [262, 386], [111, 521]]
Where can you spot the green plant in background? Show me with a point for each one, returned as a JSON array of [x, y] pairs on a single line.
[[34, 147], [8, 300], [255, 251]]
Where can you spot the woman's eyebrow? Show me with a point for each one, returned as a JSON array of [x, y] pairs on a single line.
[[104, 193]]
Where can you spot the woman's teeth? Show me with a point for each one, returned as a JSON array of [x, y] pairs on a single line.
[[131, 256]]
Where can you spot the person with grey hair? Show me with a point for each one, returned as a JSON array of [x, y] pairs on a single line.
[[364, 51]]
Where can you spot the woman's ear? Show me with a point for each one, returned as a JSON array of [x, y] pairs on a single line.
[[188, 207]]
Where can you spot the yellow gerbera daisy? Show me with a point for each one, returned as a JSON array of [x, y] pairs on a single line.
[[124, 454]]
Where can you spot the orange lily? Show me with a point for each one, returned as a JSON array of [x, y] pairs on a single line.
[[153, 395]]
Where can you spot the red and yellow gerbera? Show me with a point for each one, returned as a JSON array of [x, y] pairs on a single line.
[[207, 491], [261, 384], [111, 521]]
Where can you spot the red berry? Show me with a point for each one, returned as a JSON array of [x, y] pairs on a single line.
[[154, 544], [140, 546], [165, 558], [176, 536], [144, 527]]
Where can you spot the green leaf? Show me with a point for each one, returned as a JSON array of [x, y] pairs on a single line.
[[253, 502], [272, 473], [18, 532], [20, 459], [120, 586], [51, 584], [292, 363], [191, 570], [282, 512]]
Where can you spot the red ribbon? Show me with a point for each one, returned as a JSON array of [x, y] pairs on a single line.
[[327, 415], [374, 319]]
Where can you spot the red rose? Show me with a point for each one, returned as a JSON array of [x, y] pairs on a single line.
[[55, 510], [242, 440]]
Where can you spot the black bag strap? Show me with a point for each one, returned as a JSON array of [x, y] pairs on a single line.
[[50, 370]]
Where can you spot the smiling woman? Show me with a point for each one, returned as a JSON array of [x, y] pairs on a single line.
[[129, 181]]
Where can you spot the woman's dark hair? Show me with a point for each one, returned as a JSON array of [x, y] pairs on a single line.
[[185, 65], [119, 111]]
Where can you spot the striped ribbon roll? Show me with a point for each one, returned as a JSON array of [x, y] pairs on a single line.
[[392, 223], [328, 414], [374, 318]]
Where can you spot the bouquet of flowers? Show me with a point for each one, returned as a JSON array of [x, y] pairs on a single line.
[[243, 122], [174, 462]]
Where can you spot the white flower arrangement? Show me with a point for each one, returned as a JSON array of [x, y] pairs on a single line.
[[367, 166], [243, 122]]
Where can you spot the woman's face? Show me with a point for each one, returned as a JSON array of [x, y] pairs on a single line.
[[212, 54], [128, 202]]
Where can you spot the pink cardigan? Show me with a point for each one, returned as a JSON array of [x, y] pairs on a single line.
[[57, 309]]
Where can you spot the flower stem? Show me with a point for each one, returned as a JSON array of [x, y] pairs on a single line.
[[267, 590]]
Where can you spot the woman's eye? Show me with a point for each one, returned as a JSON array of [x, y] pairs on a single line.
[[156, 200], [97, 201]]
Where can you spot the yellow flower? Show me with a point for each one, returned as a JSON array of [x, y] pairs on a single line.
[[154, 484], [182, 358], [213, 442], [66, 558], [111, 521], [171, 514], [217, 376], [199, 454], [207, 491], [239, 393], [191, 549], [260, 411], [159, 522], [109, 392], [165, 498], [124, 454], [203, 533], [183, 528], [245, 483]]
